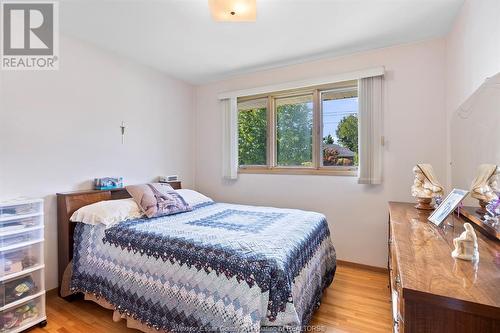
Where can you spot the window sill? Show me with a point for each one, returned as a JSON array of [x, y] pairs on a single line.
[[299, 171]]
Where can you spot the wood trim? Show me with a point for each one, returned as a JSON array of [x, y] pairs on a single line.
[[54, 291], [298, 171], [316, 136], [79, 192], [362, 266], [271, 133]]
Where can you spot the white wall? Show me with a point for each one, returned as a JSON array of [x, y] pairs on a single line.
[[60, 129], [472, 55], [472, 50], [414, 122]]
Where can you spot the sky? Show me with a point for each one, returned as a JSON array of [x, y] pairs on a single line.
[[334, 111]]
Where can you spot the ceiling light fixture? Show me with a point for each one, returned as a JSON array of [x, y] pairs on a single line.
[[233, 10]]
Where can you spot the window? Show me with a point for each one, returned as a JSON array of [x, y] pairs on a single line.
[[312, 130], [339, 116], [294, 127], [252, 132]]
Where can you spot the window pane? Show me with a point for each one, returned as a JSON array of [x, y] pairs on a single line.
[[294, 123], [340, 127], [252, 132]]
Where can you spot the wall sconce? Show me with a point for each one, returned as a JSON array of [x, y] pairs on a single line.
[[122, 129]]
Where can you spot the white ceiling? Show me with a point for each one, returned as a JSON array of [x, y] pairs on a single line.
[[179, 37]]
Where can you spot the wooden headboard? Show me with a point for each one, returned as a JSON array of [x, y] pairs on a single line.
[[67, 204]]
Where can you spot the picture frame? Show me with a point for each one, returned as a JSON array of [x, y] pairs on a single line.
[[447, 206]]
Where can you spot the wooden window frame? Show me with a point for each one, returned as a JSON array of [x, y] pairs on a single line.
[[317, 168]]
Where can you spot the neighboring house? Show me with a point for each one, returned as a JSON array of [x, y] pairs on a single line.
[[343, 152]]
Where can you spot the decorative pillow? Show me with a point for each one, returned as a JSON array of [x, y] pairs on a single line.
[[108, 212], [158, 199], [194, 198]]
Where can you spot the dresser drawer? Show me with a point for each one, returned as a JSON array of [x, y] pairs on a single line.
[[16, 239], [15, 210], [396, 290], [18, 224], [18, 288], [14, 261], [397, 311], [393, 266], [24, 315]]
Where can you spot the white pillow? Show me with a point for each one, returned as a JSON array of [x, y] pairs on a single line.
[[108, 212], [193, 198]]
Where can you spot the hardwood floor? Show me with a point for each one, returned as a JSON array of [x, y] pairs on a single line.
[[357, 301]]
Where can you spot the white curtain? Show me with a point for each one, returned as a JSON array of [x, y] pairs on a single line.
[[370, 92], [229, 138]]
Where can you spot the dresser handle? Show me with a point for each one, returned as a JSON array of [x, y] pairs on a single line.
[[397, 280]]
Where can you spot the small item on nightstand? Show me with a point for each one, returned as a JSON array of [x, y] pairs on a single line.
[[166, 179], [425, 186], [466, 244], [108, 183], [485, 186]]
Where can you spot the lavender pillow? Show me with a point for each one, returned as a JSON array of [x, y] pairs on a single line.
[[158, 199]]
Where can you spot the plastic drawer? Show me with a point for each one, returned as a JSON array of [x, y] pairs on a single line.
[[13, 209], [14, 290], [11, 240], [20, 259], [17, 224], [23, 316]]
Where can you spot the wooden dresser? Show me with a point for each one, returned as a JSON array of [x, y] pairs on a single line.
[[431, 291]]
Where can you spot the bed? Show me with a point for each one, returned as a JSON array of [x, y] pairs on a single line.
[[219, 267]]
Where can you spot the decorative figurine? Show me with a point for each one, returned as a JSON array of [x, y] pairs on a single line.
[[425, 186], [466, 244], [485, 186]]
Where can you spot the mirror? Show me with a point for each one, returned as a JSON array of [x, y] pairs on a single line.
[[475, 135]]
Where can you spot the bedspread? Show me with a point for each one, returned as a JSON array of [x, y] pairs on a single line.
[[220, 267]]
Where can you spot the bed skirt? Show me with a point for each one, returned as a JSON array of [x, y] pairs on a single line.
[[117, 316], [65, 291]]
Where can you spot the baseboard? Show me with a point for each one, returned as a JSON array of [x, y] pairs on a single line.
[[362, 266], [52, 292]]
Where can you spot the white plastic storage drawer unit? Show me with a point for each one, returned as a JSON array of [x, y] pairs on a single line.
[[22, 275]]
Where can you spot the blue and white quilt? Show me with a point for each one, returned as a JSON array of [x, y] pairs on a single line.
[[220, 267]]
